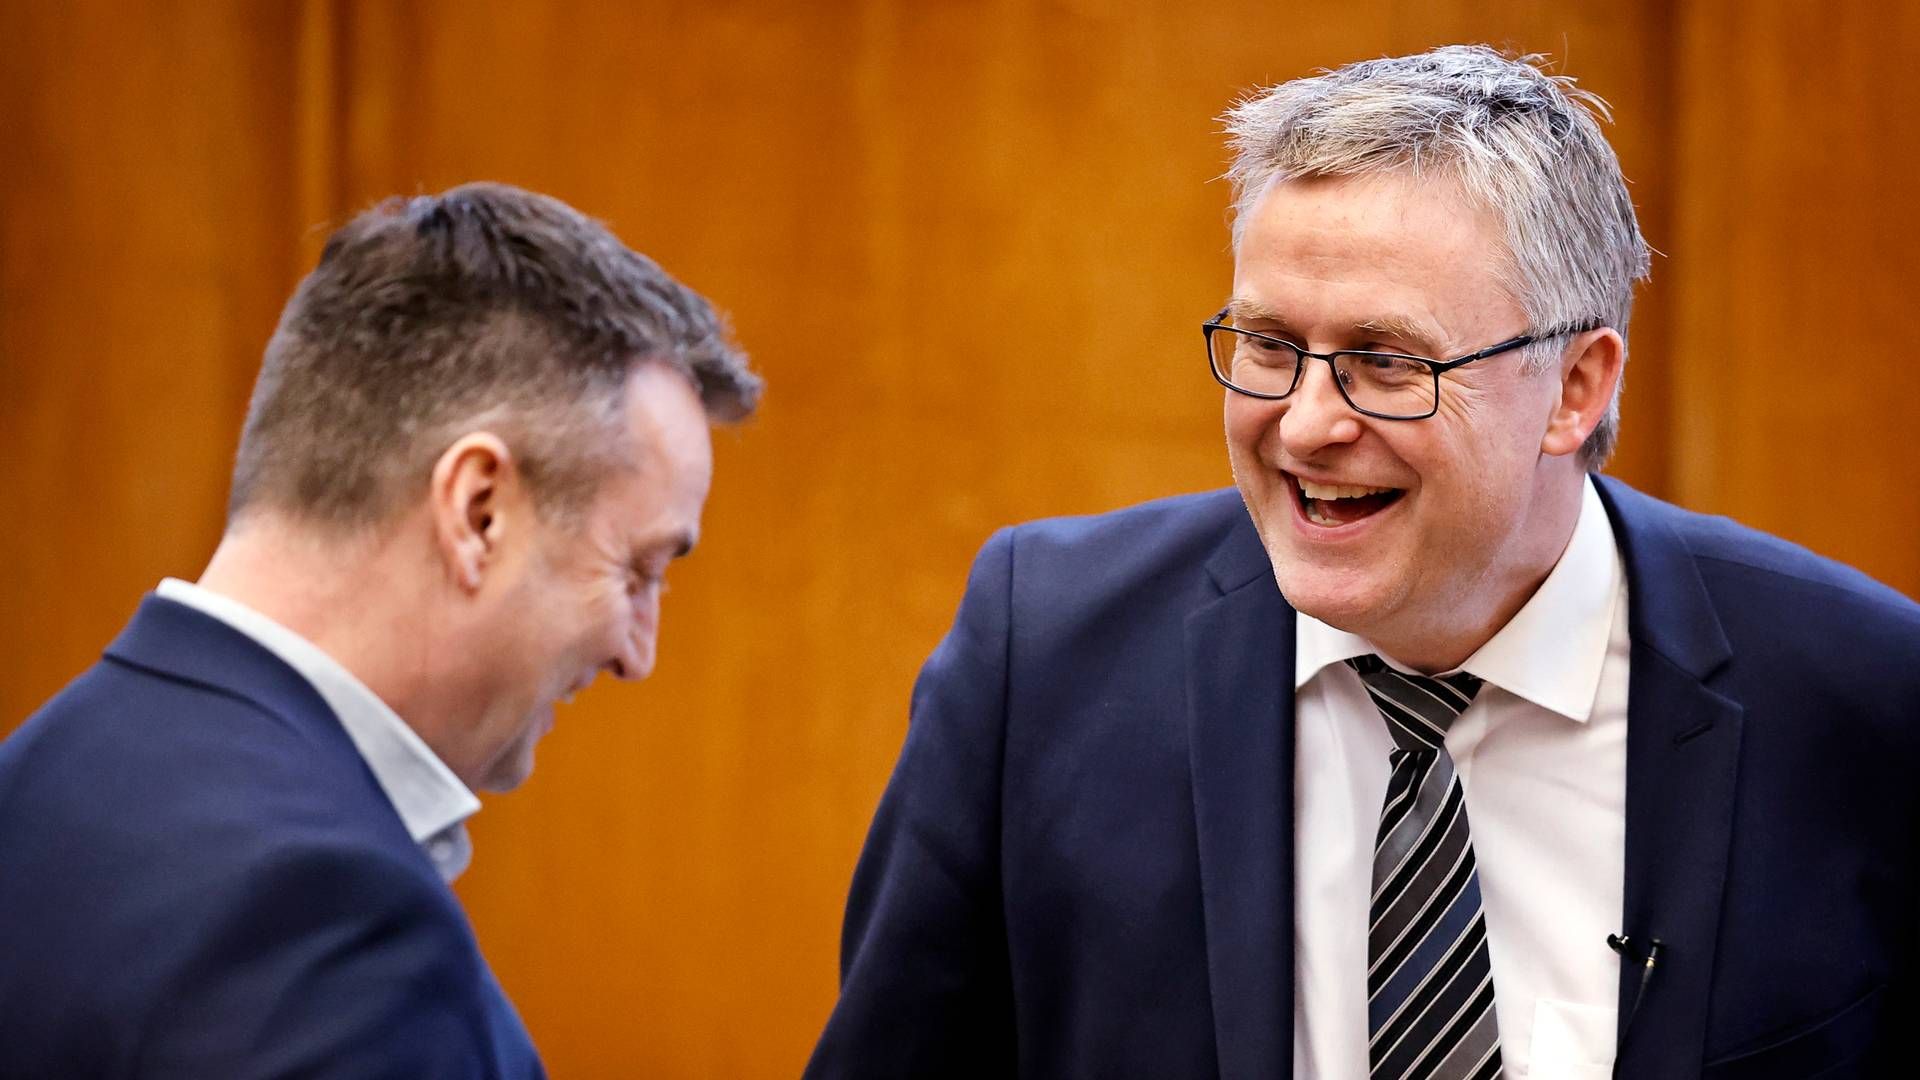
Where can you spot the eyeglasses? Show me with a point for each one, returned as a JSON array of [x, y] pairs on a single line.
[[1389, 386]]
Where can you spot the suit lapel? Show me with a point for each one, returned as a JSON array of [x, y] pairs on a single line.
[[1683, 746], [1240, 701]]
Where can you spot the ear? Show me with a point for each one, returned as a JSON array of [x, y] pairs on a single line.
[[474, 489], [1589, 374]]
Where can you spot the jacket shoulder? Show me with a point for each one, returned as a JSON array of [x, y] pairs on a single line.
[[1075, 584], [1725, 548], [109, 776], [159, 734], [1180, 530], [176, 846]]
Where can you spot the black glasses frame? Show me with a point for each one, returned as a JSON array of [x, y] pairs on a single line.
[[1437, 367]]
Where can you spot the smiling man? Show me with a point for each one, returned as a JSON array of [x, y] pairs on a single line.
[[1427, 751], [478, 438]]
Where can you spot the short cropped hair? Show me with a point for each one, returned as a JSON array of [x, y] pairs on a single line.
[[1520, 143], [484, 306]]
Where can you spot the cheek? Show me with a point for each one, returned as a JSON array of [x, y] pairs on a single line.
[[596, 621], [1249, 421], [1474, 485]]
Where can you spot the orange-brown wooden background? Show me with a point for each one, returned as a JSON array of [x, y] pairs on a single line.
[[969, 244]]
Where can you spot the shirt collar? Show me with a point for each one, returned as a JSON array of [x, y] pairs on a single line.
[[431, 801], [1549, 653]]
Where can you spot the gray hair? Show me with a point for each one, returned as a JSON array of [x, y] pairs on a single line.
[[1520, 143], [484, 306]]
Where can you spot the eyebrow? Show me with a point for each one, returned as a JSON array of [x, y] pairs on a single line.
[[1408, 328], [1405, 328], [1241, 308]]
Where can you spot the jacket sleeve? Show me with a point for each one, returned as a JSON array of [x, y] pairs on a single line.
[[335, 960], [925, 987]]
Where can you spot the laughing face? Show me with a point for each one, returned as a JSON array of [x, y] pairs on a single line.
[[584, 597], [1423, 536]]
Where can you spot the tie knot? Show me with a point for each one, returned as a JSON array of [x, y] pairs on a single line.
[[1418, 708]]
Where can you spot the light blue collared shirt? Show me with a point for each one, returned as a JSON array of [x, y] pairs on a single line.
[[431, 801]]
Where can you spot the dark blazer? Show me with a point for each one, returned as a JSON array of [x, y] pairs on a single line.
[[200, 877], [1082, 866]]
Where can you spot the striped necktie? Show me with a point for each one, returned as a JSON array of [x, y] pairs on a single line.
[[1429, 984]]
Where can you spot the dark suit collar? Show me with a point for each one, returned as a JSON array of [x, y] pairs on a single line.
[[1671, 611], [1240, 559], [1683, 747], [173, 640], [1240, 712]]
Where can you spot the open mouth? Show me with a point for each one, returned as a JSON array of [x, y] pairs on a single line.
[[1333, 505]]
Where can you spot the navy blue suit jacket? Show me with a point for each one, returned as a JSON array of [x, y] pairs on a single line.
[[200, 877], [1082, 866]]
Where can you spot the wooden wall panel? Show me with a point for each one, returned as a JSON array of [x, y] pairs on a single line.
[[969, 244], [146, 245], [1795, 271]]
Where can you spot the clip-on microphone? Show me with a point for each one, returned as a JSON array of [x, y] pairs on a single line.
[[1623, 944]]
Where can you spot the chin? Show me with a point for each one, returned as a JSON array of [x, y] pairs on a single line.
[[512, 762], [506, 777], [1345, 599], [510, 769]]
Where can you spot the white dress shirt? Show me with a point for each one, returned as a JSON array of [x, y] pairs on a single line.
[[1542, 756], [432, 802]]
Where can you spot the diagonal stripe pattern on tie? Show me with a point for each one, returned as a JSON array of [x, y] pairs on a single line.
[[1429, 982]]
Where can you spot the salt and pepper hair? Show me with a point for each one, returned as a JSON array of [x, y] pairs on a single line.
[[485, 307], [1519, 143]]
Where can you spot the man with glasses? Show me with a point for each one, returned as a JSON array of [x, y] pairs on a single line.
[[1427, 751]]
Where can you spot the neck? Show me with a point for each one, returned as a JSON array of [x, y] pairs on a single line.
[[342, 593], [1449, 633]]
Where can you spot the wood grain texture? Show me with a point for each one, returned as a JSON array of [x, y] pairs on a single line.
[[1794, 271], [969, 244], [146, 244]]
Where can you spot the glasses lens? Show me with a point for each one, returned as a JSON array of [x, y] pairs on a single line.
[[1388, 385], [1255, 364]]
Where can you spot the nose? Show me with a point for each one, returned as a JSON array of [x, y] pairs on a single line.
[[634, 660], [1317, 415], [634, 657]]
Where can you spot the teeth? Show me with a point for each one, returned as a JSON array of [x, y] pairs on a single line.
[[1338, 491]]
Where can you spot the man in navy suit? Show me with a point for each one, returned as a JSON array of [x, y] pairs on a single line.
[[1428, 752], [478, 438]]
